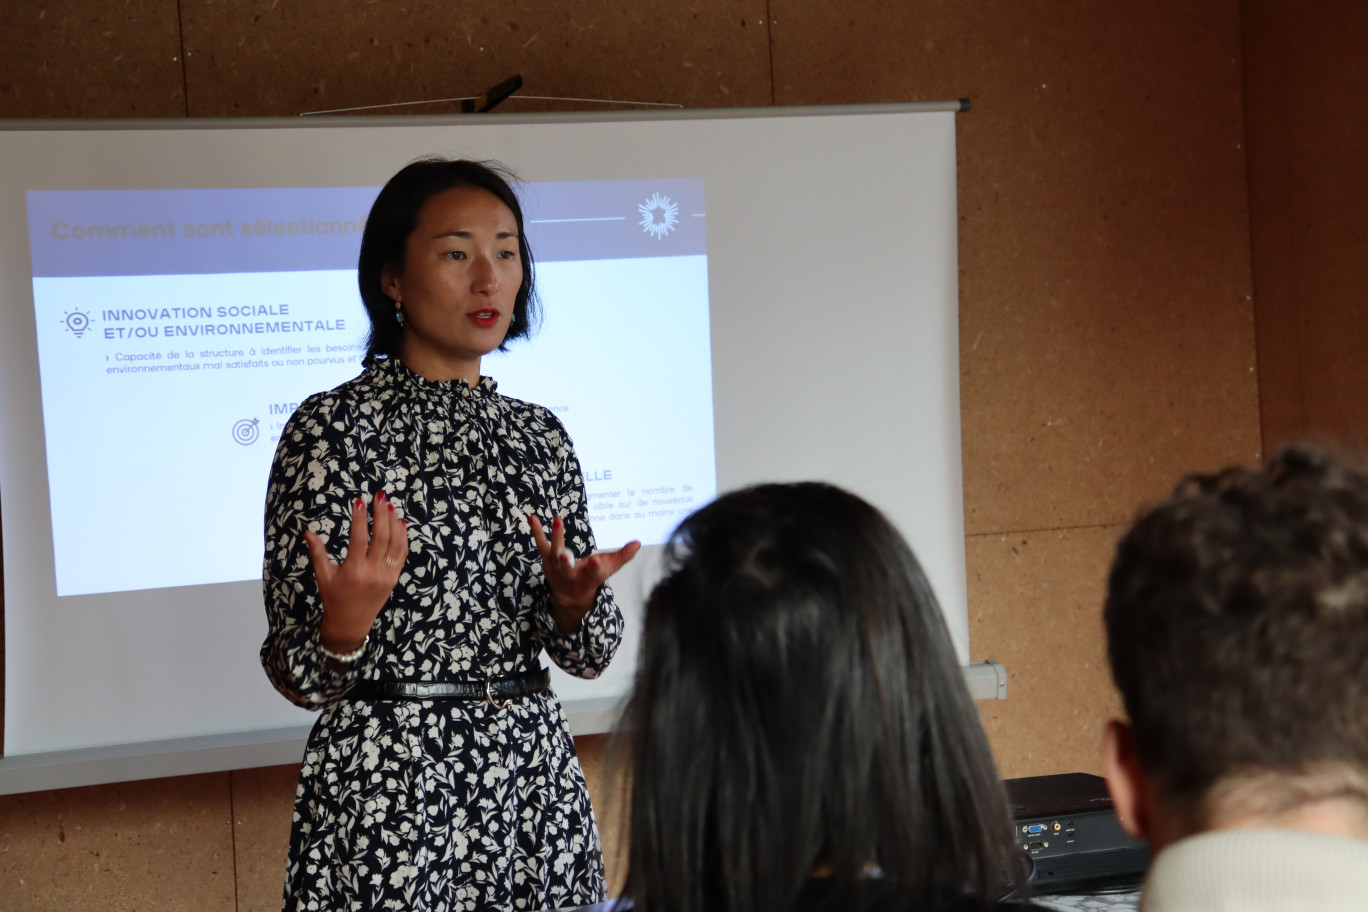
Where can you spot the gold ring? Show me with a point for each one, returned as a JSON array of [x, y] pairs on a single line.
[[389, 561]]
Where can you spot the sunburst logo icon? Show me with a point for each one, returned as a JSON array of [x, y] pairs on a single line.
[[659, 215]]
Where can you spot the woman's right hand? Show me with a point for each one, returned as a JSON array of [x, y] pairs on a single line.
[[354, 591]]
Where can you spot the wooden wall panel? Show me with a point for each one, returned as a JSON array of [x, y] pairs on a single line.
[[269, 58], [263, 805], [160, 844], [1282, 413], [1327, 75], [76, 58], [1107, 339], [1035, 605], [1308, 101], [1106, 329]]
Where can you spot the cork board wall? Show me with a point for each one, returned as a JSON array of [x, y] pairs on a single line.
[[1107, 327], [1307, 98]]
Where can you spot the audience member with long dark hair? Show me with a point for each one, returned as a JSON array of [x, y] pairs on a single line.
[[800, 735]]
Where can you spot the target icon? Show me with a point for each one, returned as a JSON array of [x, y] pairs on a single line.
[[76, 322], [245, 431]]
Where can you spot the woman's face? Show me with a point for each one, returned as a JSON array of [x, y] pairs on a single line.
[[458, 283]]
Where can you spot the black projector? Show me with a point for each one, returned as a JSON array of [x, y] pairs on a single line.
[[1068, 828]]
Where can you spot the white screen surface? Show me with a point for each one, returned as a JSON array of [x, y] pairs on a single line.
[[830, 338]]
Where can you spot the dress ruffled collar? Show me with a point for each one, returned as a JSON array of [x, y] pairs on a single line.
[[393, 373]]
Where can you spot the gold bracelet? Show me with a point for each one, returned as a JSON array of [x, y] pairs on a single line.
[[346, 658]]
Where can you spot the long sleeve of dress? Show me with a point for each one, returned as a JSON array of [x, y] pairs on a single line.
[[311, 461], [586, 652]]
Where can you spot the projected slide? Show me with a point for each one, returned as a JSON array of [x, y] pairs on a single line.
[[178, 330]]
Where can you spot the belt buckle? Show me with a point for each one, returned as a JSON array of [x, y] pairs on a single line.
[[489, 694]]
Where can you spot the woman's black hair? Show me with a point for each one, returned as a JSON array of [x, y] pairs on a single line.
[[799, 717], [394, 215]]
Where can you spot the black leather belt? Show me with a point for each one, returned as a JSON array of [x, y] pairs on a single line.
[[497, 689]]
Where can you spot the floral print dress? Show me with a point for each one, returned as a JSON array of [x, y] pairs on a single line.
[[428, 805]]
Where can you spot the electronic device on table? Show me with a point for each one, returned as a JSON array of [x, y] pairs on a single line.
[[1067, 826]]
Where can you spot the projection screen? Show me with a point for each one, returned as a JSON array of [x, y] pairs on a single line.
[[730, 297]]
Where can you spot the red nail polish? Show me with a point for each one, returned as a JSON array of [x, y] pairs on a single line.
[[380, 495], [391, 506], [360, 504]]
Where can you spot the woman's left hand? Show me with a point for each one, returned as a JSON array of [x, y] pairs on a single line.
[[574, 584]]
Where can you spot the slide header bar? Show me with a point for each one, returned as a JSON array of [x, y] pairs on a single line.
[[199, 231]]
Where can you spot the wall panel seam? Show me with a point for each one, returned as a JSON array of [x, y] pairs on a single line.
[[1120, 524], [180, 37]]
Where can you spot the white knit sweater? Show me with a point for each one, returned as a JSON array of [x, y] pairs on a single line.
[[1257, 870]]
